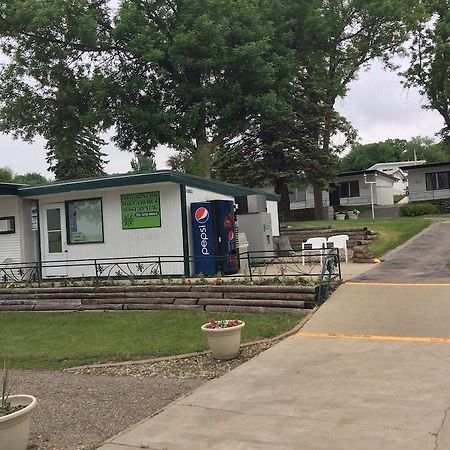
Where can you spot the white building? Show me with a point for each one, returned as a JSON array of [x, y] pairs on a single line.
[[351, 190], [94, 219], [395, 169], [429, 181], [358, 188]]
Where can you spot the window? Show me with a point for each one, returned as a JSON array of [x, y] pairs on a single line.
[[7, 225], [297, 195], [84, 221], [437, 180], [349, 189]]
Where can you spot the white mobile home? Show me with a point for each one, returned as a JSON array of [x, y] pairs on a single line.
[[86, 226], [429, 182], [358, 188], [395, 169]]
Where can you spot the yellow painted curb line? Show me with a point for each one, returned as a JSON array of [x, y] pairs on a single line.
[[355, 283], [370, 337]]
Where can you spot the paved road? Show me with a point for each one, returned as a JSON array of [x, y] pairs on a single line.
[[370, 370], [422, 260]]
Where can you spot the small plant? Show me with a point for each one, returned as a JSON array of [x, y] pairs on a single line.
[[200, 279], [5, 407], [355, 211], [219, 324]]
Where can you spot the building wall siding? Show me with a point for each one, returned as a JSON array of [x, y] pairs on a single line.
[[417, 185], [10, 243], [118, 243], [385, 193]]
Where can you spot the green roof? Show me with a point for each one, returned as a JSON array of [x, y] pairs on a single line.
[[159, 176], [10, 188]]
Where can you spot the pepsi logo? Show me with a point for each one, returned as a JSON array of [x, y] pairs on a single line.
[[201, 215]]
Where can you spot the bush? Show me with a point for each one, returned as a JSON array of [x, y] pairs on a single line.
[[418, 209]]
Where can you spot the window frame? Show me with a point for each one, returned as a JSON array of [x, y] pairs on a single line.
[[13, 220], [435, 176], [69, 242]]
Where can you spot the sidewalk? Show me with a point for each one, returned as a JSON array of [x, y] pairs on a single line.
[[370, 370]]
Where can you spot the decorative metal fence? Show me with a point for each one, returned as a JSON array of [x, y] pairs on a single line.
[[322, 265]]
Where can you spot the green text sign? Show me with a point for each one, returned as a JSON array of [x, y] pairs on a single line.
[[140, 210]]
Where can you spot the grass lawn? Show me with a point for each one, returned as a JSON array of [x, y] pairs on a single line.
[[58, 340], [391, 231]]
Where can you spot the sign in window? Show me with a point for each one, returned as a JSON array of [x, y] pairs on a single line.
[[140, 210]]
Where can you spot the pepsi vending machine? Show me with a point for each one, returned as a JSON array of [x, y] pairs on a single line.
[[214, 237]]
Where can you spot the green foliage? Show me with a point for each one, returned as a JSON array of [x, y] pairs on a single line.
[[50, 85], [430, 60], [361, 157], [7, 175], [196, 75], [418, 209], [55, 341], [143, 163], [330, 42]]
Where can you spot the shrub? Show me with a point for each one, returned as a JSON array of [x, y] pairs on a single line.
[[418, 209]]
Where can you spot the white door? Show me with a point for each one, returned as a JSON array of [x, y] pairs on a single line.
[[54, 243]]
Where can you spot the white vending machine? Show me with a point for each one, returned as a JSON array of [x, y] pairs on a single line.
[[258, 229]]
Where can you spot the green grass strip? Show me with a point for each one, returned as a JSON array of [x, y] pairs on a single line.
[[59, 340], [392, 232]]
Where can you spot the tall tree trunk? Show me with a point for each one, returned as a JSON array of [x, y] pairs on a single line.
[[204, 152], [281, 188], [318, 188], [318, 202]]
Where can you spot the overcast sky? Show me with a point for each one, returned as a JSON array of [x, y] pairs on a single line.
[[377, 105]]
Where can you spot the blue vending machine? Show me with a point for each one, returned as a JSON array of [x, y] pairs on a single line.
[[215, 237]]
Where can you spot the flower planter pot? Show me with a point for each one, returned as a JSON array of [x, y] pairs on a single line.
[[352, 216], [15, 427], [340, 216], [224, 343]]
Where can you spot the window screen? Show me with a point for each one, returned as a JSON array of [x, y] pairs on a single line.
[[7, 225], [85, 221]]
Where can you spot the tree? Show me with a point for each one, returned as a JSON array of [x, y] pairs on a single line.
[[196, 73], [31, 178], [188, 74], [361, 157], [6, 175], [142, 163], [49, 87], [351, 34], [430, 60], [331, 41]]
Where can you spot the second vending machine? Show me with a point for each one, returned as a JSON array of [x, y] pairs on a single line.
[[215, 237]]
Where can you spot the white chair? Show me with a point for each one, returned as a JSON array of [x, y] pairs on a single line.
[[317, 243], [340, 241]]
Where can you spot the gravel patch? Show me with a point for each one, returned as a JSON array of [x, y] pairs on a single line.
[[78, 409]]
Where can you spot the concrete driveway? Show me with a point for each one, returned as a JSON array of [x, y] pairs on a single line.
[[370, 370]]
